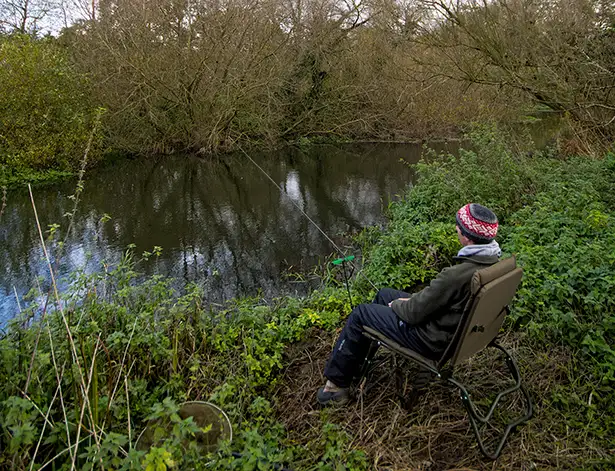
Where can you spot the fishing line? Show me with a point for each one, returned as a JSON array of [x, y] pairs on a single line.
[[345, 258]]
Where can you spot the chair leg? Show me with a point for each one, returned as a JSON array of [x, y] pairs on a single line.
[[367, 367], [476, 418], [419, 387], [399, 379], [368, 363], [509, 427]]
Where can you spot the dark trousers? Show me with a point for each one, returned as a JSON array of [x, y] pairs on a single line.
[[352, 347]]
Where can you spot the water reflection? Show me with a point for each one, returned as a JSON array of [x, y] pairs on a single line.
[[220, 222]]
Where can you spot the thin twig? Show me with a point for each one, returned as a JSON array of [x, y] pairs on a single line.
[[85, 401], [3, 207], [38, 335], [112, 397], [76, 195], [38, 409], [40, 438], [51, 272], [128, 409], [79, 188], [69, 449], [59, 378], [17, 298]]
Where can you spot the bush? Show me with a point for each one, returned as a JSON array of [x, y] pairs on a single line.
[[46, 115], [565, 240], [161, 348], [556, 215], [490, 173], [408, 254], [420, 238]]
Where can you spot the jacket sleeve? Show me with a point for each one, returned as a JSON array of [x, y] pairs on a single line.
[[426, 302]]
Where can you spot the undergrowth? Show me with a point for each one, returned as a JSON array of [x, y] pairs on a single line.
[[79, 382]]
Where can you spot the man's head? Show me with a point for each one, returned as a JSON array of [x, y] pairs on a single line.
[[476, 224]]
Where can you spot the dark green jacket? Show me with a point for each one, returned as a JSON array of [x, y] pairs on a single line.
[[436, 310]]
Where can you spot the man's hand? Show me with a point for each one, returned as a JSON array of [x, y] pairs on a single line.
[[398, 299]]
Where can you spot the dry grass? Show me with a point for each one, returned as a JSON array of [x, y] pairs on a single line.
[[436, 434]]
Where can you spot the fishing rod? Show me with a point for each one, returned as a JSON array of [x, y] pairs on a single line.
[[340, 261]]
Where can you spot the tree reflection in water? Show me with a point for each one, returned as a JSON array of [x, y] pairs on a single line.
[[220, 221]]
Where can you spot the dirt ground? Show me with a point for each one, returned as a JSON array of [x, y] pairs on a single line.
[[435, 434]]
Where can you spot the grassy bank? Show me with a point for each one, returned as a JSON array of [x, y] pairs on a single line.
[[78, 385]]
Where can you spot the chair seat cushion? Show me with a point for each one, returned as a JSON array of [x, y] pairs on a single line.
[[406, 352]]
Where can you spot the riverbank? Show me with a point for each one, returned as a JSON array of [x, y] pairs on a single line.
[[132, 345], [55, 106]]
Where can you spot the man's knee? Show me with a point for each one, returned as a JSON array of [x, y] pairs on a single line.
[[356, 315], [381, 296], [369, 315], [385, 296], [360, 317]]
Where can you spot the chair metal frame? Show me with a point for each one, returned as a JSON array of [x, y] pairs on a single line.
[[444, 368]]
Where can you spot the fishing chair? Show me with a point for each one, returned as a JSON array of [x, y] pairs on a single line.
[[492, 289]]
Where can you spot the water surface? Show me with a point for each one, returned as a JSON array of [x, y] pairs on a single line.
[[220, 222]]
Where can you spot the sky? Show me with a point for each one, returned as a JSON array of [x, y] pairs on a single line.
[[44, 16]]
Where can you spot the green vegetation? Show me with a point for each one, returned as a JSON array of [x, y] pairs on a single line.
[[46, 115], [131, 347], [122, 351], [557, 216]]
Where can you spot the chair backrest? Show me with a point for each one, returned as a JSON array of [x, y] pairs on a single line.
[[492, 289]]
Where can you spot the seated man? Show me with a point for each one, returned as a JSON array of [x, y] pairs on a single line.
[[425, 321]]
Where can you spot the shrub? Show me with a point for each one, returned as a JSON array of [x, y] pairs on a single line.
[[161, 348], [410, 253], [565, 241], [490, 173], [556, 215], [420, 238], [45, 112]]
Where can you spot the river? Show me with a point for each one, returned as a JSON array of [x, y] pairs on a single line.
[[220, 222]]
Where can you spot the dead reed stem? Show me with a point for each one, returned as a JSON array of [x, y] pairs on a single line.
[[71, 341], [40, 438], [3, 207]]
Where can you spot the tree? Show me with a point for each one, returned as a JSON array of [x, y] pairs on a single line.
[[560, 52], [26, 16], [46, 114]]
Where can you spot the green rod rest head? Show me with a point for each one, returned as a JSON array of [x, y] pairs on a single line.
[[339, 261]]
